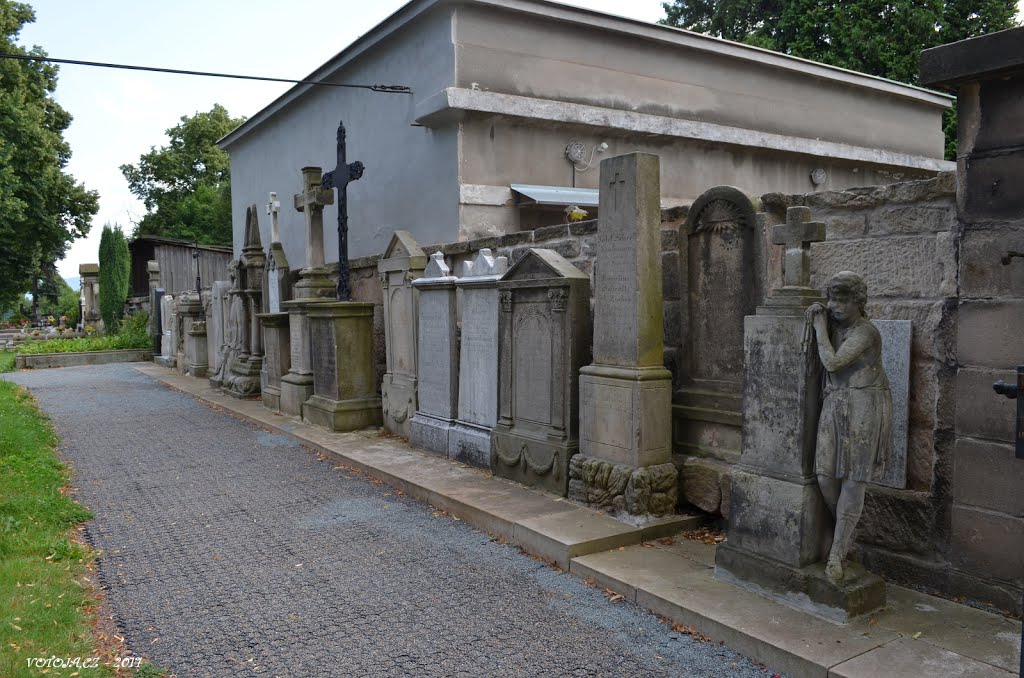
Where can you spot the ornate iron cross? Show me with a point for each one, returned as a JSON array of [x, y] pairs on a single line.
[[339, 178]]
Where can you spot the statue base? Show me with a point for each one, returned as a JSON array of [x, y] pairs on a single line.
[[295, 390], [806, 588], [243, 379]]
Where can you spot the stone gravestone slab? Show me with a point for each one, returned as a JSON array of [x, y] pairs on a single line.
[[168, 322], [402, 263], [896, 337], [544, 341], [215, 323], [276, 357], [625, 461], [720, 253], [437, 366], [190, 306], [470, 438]]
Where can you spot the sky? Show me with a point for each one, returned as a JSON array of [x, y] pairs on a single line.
[[119, 115]]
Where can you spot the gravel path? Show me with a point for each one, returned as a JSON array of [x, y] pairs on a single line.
[[230, 551]]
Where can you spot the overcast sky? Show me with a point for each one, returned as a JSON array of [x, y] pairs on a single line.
[[119, 115]]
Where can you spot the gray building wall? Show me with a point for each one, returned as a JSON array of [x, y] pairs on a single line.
[[411, 172]]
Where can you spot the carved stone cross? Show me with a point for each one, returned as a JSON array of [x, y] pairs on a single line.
[[340, 177], [273, 207], [311, 202], [616, 189], [797, 234]]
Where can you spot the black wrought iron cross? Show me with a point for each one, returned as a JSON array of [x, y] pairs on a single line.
[[340, 177]]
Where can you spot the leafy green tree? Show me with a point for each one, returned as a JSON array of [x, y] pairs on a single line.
[[186, 185], [42, 208], [115, 270], [65, 303], [876, 37]]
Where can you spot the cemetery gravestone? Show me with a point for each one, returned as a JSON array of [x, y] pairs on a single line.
[[275, 322], [896, 338], [90, 293], [190, 306], [168, 322], [437, 366], [778, 522], [215, 319], [402, 263], [626, 394], [243, 378], [153, 272], [544, 341], [721, 263], [470, 439]]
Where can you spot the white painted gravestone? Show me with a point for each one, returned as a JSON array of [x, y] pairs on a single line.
[[402, 263], [470, 439], [438, 358], [625, 460], [545, 337]]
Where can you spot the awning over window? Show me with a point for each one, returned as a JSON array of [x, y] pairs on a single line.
[[527, 194]]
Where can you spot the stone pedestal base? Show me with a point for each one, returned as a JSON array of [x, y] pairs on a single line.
[[196, 358], [165, 361], [295, 390], [626, 414], [398, 394], [806, 588], [637, 495], [243, 379], [536, 463], [430, 433], [314, 283], [470, 444], [276, 357], [344, 394]]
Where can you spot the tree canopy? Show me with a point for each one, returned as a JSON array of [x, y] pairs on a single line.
[[877, 37], [186, 185], [42, 208], [115, 274]]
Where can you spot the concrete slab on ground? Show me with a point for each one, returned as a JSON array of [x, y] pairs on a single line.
[[674, 578]]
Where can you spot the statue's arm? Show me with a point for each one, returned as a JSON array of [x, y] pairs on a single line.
[[859, 341]]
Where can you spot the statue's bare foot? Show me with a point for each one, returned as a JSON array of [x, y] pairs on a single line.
[[834, 570]]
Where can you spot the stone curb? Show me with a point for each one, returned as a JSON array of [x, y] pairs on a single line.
[[47, 360]]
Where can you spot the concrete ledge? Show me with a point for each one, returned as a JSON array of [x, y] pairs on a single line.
[[44, 360]]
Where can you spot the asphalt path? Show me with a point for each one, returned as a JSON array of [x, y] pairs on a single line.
[[228, 551]]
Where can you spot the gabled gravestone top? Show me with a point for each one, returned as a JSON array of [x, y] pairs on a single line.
[[437, 358], [470, 440], [545, 332], [403, 262]]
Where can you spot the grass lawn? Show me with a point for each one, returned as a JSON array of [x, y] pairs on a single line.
[[6, 361], [46, 606]]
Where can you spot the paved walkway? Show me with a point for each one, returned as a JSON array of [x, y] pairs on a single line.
[[228, 550]]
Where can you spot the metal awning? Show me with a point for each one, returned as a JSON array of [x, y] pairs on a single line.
[[527, 194]]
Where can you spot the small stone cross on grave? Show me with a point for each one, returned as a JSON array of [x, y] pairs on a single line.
[[311, 202], [340, 177], [273, 208], [797, 234], [615, 186]]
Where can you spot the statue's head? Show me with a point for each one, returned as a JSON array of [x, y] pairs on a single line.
[[847, 286]]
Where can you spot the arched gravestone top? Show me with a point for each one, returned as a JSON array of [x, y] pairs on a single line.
[[722, 208]]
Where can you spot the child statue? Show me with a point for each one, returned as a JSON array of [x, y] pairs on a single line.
[[854, 429]]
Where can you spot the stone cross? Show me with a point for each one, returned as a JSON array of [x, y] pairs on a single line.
[[339, 178], [273, 207], [796, 235], [311, 202]]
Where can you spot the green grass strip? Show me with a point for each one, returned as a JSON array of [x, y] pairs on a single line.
[[6, 361], [45, 608]]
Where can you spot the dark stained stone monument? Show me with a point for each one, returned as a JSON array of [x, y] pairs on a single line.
[[544, 333], [722, 263], [242, 379]]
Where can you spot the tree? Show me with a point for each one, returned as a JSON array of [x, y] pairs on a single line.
[[876, 37], [42, 208], [115, 270], [186, 185]]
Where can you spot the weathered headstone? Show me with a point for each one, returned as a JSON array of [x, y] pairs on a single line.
[[437, 358], [402, 263], [470, 439], [544, 341], [626, 394], [215, 319], [168, 321], [89, 275], [778, 522], [278, 287], [190, 306], [275, 322], [243, 378], [313, 286], [896, 338], [153, 273], [720, 255]]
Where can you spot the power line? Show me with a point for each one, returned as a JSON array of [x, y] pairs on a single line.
[[387, 89]]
